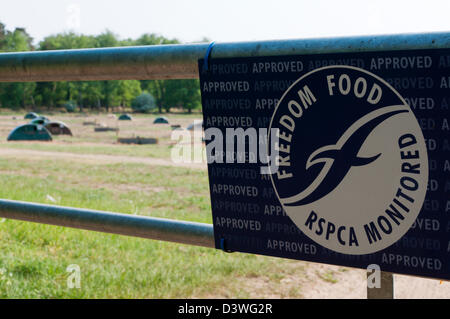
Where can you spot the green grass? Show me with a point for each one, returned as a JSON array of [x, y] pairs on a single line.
[[126, 188], [34, 257]]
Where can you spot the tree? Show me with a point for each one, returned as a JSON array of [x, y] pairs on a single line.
[[106, 40], [54, 94], [18, 40], [183, 93], [94, 94], [154, 39], [127, 91], [65, 41], [2, 36], [156, 87], [109, 93], [143, 103], [14, 95]]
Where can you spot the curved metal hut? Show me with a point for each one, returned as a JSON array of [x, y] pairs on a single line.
[[58, 128], [125, 117], [30, 132], [161, 120], [30, 116], [41, 120]]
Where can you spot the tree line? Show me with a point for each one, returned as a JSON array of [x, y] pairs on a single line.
[[93, 95]]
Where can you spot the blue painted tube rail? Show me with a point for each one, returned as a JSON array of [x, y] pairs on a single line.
[[180, 61], [190, 233]]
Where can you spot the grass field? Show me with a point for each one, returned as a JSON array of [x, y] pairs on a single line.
[[34, 257]]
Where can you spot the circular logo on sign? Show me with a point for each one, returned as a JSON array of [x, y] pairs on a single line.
[[353, 166]]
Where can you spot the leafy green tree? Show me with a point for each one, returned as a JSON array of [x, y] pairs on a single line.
[[154, 39], [18, 40], [70, 106], [80, 87], [2, 36], [145, 102], [65, 41], [109, 93], [58, 93], [92, 94], [106, 40], [158, 88], [15, 95], [127, 91], [87, 94], [174, 93], [177, 93]]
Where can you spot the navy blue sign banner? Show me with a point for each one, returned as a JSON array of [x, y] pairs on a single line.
[[333, 158]]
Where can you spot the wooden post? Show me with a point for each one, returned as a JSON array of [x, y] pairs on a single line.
[[386, 290]]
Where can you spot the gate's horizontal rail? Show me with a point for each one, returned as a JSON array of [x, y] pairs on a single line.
[[191, 233], [180, 61]]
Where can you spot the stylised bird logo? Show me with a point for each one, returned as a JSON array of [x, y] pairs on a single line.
[[339, 158]]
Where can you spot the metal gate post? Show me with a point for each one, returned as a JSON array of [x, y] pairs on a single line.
[[386, 289]]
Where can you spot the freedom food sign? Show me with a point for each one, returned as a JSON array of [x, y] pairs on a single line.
[[333, 158]]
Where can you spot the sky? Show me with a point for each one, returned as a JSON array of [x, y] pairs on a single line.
[[226, 20]]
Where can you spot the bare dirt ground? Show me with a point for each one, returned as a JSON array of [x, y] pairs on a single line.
[[306, 280], [329, 282]]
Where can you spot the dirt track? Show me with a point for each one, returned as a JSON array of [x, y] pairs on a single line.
[[93, 158], [320, 281], [352, 284]]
